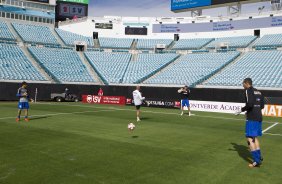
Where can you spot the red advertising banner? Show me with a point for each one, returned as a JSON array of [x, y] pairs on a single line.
[[116, 100]]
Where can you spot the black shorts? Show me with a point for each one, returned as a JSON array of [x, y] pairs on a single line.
[[138, 107]]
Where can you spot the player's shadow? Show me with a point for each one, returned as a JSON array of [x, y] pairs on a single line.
[[135, 136], [145, 118], [243, 151], [39, 117]]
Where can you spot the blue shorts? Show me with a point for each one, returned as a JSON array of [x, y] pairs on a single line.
[[23, 105], [253, 128], [185, 102]]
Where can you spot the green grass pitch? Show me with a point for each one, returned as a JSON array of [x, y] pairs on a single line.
[[74, 143]]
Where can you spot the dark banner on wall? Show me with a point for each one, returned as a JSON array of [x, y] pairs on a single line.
[[155, 95], [103, 26]]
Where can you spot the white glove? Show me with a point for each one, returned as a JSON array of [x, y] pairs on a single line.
[[237, 112]]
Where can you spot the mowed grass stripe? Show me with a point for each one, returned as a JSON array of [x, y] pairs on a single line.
[[97, 148]]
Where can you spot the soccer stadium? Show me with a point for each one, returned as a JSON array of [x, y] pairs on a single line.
[[143, 92]]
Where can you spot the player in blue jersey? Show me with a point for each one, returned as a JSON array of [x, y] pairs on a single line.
[[254, 104], [23, 101], [185, 94]]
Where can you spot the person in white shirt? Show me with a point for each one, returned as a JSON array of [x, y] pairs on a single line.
[[138, 100]]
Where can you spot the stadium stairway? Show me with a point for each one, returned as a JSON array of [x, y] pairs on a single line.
[[162, 69], [96, 43], [60, 41], [89, 68], [222, 69], [171, 45], [37, 65], [13, 31], [134, 45]]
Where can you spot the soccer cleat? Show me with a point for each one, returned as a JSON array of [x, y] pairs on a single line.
[[189, 114], [138, 119], [254, 164], [181, 113], [18, 119], [26, 119]]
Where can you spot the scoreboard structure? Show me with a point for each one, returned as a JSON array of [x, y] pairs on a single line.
[[71, 9], [190, 5]]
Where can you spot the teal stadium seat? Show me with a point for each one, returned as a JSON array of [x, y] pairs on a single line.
[[64, 64], [149, 44], [5, 33], [264, 67], [146, 65], [192, 69], [233, 42], [14, 65], [35, 34], [69, 38], [191, 44], [110, 66]]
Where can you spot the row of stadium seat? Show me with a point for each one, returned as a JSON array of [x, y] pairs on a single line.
[[264, 67], [5, 33], [192, 69], [272, 40], [42, 34], [63, 64], [232, 42], [35, 33], [14, 65], [69, 38], [146, 65], [124, 43], [109, 66]]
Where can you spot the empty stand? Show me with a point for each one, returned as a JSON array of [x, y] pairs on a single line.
[[35, 34], [14, 65], [63, 64], [191, 69], [119, 43], [232, 42], [109, 66], [69, 38], [264, 67], [190, 44], [146, 65]]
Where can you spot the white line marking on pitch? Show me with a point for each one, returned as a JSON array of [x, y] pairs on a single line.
[[64, 113], [270, 127], [273, 134], [153, 112]]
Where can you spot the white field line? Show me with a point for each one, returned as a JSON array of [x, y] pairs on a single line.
[[155, 112], [57, 114], [273, 134], [270, 127]]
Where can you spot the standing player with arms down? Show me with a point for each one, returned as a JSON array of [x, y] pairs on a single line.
[[23, 101], [185, 94], [254, 104], [138, 100]]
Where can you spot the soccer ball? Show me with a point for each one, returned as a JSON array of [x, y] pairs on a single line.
[[130, 126]]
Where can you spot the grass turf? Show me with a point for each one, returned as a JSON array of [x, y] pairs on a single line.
[[81, 143]]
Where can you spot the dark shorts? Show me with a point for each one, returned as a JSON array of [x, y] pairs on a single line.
[[138, 107], [23, 105], [253, 128]]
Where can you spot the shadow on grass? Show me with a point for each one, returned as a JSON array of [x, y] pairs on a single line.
[[135, 136], [145, 118], [39, 117], [243, 151]]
